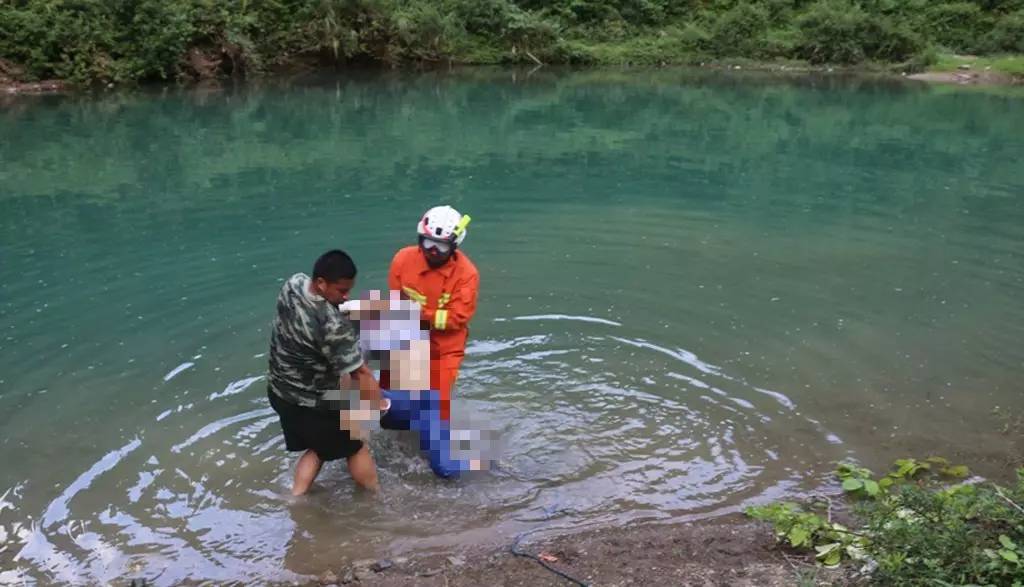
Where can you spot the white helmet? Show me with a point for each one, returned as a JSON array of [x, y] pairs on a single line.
[[445, 224]]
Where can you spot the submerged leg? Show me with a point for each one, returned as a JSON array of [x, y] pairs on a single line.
[[306, 471], [363, 469]]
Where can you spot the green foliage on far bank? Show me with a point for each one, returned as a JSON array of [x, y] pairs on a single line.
[[915, 526], [129, 40]]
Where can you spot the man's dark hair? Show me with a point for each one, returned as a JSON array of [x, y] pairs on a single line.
[[334, 265]]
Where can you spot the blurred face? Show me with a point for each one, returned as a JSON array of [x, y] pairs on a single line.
[[335, 292], [436, 253]]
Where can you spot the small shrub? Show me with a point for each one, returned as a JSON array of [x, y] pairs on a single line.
[[782, 43], [921, 61], [891, 39], [693, 37], [739, 31], [833, 31], [422, 31], [918, 529], [529, 30]]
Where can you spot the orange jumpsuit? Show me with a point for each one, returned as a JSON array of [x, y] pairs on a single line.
[[447, 297]]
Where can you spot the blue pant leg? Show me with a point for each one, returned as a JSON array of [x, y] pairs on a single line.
[[435, 436], [400, 415], [421, 413]]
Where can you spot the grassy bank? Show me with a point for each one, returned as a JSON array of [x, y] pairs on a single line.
[[1012, 65], [118, 41]]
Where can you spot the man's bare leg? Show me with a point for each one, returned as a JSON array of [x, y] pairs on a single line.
[[363, 469], [306, 471]]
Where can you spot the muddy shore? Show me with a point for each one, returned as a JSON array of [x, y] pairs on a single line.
[[731, 550]]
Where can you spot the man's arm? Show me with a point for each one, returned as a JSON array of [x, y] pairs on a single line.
[[369, 389]]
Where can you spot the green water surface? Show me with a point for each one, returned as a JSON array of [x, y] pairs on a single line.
[[698, 291]]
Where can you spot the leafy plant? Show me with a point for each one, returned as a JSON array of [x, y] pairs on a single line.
[[916, 527], [857, 480], [807, 530]]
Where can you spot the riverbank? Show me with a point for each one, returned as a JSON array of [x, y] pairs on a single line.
[[949, 69], [731, 550], [971, 69], [922, 522]]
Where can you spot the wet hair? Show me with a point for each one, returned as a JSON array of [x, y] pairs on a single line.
[[334, 265]]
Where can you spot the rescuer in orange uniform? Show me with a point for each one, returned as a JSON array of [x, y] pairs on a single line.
[[442, 279]]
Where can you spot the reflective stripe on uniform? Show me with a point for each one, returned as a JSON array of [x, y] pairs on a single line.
[[445, 298], [415, 295], [440, 319]]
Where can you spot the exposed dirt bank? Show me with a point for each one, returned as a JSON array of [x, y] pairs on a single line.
[[729, 551]]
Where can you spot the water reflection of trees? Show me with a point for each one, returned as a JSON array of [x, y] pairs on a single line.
[[397, 131]]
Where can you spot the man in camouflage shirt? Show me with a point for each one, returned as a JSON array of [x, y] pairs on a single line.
[[313, 346]]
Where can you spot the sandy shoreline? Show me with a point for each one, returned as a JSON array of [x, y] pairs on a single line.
[[986, 78]]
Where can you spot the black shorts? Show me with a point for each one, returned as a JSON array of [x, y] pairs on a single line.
[[313, 429]]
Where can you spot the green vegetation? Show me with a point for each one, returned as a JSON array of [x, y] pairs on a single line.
[[915, 526], [1008, 64], [135, 40]]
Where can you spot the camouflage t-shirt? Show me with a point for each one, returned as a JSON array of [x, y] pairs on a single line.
[[311, 345]]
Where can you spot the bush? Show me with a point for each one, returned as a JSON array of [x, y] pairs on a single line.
[[962, 535], [959, 26], [598, 12], [531, 31], [1001, 5], [782, 43], [422, 31], [914, 527], [52, 39], [642, 12], [152, 37], [694, 38], [484, 17], [832, 31], [739, 31], [1008, 34], [893, 40]]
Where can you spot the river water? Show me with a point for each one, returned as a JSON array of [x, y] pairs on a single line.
[[699, 291]]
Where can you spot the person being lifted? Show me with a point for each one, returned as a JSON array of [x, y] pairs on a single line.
[[439, 276]]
